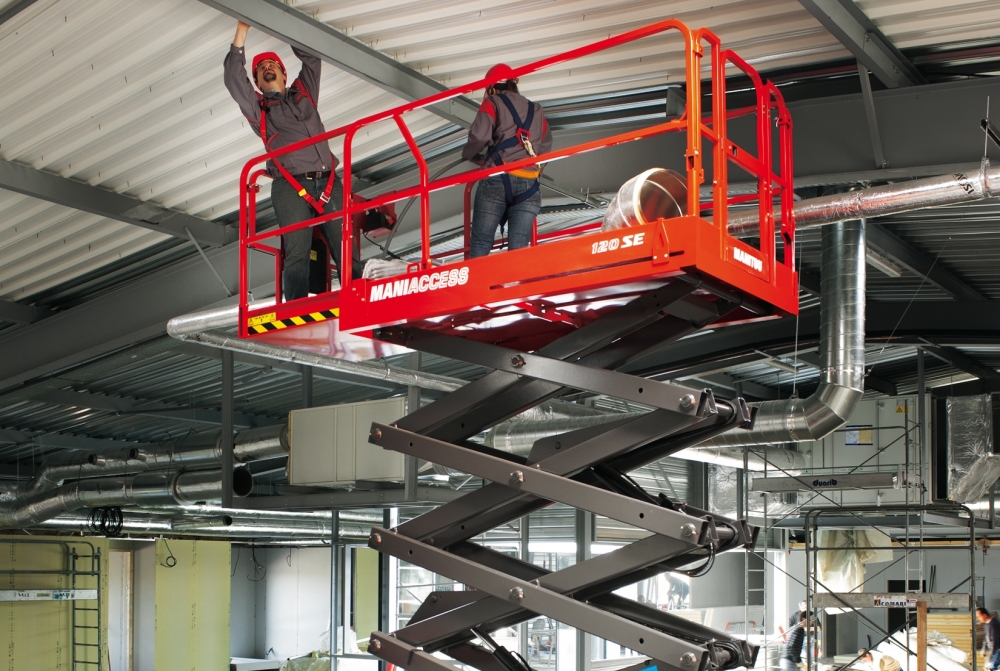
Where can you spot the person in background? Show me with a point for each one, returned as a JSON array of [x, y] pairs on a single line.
[[794, 619], [885, 662], [509, 127], [792, 652], [305, 182], [991, 638]]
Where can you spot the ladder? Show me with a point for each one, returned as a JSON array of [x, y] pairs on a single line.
[[85, 615], [586, 469]]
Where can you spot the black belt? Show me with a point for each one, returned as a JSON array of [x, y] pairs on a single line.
[[313, 175]]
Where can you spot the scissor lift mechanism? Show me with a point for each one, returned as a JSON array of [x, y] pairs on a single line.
[[566, 313]]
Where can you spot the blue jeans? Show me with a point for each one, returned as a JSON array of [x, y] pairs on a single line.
[[993, 659], [290, 208], [490, 210]]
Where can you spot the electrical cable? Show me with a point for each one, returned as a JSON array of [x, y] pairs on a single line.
[[171, 560], [699, 571], [406, 208], [106, 521], [257, 566]]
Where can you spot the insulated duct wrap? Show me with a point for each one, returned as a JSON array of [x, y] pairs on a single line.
[[197, 451], [879, 201], [245, 525], [142, 490], [972, 466], [842, 352]]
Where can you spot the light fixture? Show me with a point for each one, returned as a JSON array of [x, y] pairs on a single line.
[[877, 260], [777, 363]]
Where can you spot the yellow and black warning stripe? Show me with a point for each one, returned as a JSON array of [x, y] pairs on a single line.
[[264, 323]]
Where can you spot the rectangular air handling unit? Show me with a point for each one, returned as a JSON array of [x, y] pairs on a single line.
[[328, 446]]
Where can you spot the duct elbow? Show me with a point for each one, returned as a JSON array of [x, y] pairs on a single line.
[[829, 409]]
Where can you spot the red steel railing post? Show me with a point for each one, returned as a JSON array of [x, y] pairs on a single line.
[[467, 218], [425, 199]]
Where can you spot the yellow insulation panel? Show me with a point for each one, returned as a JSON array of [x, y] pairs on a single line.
[[192, 605], [38, 634]]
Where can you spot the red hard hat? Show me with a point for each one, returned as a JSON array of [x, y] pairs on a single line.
[[267, 56], [500, 72]]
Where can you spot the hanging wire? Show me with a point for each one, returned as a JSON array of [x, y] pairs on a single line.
[[795, 354], [406, 208], [257, 567], [238, 549], [171, 560], [923, 281]]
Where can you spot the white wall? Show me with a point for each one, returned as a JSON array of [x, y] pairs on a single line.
[[144, 610], [293, 601], [119, 608], [243, 606]]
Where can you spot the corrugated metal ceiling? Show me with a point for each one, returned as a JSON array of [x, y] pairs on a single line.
[[127, 95]]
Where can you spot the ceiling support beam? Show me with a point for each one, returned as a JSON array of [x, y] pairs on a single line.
[[862, 38], [742, 387], [14, 9], [940, 322], [329, 44], [128, 406], [60, 441], [963, 362], [866, 93], [79, 196], [128, 315], [903, 253], [19, 313]]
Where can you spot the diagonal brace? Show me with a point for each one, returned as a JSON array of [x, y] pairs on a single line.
[[676, 654], [533, 480]]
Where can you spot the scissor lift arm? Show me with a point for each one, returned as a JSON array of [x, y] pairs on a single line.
[[585, 469]]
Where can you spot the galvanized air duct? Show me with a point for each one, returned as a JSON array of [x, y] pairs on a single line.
[[195, 451], [879, 201], [198, 327], [245, 525], [842, 352], [143, 490], [517, 436]]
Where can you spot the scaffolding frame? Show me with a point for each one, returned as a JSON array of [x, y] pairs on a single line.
[[812, 525], [914, 472]]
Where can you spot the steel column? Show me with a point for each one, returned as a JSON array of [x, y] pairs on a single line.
[[227, 430]]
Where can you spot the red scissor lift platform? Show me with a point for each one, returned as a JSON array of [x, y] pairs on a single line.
[[564, 313]]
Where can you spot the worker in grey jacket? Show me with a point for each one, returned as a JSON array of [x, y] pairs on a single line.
[[305, 182], [509, 127]]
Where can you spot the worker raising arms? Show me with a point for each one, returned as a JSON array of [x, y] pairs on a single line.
[[305, 182], [509, 127]]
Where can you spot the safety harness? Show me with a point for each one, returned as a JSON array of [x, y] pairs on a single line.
[[318, 205], [521, 137]]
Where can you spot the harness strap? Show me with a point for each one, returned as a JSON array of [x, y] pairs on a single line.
[[522, 137], [318, 205]]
